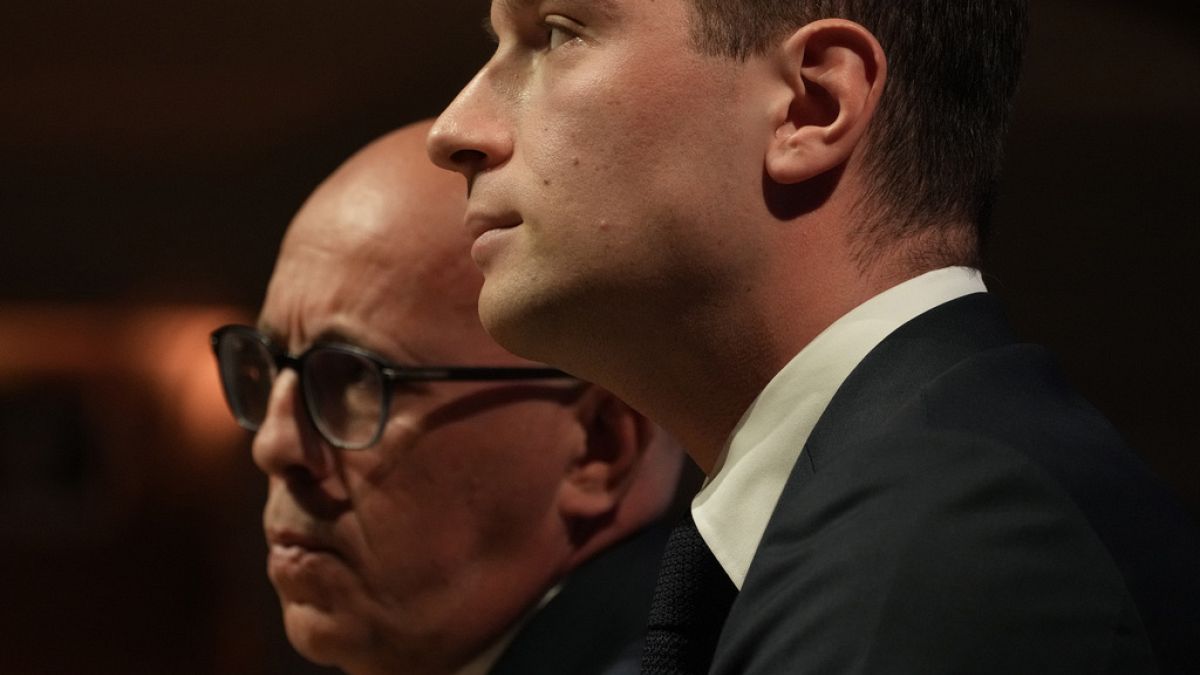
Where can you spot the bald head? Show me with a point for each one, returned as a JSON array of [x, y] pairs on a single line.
[[389, 195], [478, 497], [392, 223]]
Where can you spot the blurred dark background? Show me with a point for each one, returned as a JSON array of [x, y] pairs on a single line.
[[152, 153]]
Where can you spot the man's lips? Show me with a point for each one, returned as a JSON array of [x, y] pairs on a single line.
[[287, 544], [299, 567], [479, 224], [296, 564]]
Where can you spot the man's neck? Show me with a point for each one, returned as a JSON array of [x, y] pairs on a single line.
[[701, 372]]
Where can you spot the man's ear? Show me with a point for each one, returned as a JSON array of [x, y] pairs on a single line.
[[616, 438], [835, 70]]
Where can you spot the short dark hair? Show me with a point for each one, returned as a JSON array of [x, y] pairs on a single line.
[[935, 146]]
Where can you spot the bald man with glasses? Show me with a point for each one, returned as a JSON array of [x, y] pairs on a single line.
[[436, 505]]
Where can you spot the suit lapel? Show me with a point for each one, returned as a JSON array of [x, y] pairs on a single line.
[[914, 354]]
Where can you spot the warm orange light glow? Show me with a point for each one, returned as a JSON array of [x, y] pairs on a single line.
[[165, 346], [172, 346]]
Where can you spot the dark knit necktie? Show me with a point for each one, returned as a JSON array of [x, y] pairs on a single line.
[[691, 600]]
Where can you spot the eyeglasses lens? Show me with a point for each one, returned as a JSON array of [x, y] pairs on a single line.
[[247, 373], [345, 393]]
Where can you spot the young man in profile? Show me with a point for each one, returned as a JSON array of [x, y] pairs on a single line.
[[759, 223]]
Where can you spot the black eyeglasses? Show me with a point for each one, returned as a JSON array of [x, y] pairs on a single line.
[[347, 391]]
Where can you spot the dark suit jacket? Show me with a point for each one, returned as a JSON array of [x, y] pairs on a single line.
[[959, 509], [596, 622]]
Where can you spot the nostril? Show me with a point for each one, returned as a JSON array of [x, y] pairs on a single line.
[[468, 158]]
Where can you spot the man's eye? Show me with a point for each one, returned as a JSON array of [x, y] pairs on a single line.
[[558, 35]]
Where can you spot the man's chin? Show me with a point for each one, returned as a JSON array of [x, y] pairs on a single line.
[[323, 636], [355, 645], [505, 315]]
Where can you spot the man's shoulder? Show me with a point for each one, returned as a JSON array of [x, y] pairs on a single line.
[[929, 552], [957, 492], [956, 378]]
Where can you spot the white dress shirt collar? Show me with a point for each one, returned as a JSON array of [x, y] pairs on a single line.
[[732, 509]]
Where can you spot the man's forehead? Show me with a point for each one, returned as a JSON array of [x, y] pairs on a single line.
[[410, 308]]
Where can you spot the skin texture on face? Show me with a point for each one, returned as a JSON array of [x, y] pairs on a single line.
[[412, 555], [609, 177]]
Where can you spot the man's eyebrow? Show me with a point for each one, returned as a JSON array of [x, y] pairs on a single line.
[[326, 336], [334, 335], [607, 8]]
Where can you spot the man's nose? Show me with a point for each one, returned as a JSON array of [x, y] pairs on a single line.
[[472, 135], [286, 441]]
